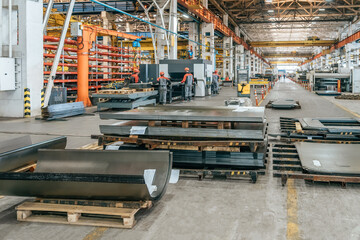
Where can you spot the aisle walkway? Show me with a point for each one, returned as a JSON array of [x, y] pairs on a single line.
[[209, 210]]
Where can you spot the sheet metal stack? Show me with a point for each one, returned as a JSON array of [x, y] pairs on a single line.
[[335, 129], [230, 137]]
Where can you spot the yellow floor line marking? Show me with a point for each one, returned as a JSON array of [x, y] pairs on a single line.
[[96, 233], [292, 230], [343, 108]]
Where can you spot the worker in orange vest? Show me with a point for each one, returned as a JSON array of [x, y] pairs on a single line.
[[135, 76], [188, 80], [215, 82], [163, 82]]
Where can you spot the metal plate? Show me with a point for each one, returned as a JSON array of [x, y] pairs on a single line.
[[193, 113], [92, 174], [341, 159], [284, 103], [124, 129], [12, 144], [28, 154]]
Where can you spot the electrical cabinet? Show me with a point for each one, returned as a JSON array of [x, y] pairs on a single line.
[[7, 74]]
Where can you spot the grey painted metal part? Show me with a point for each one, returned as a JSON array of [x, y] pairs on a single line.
[[284, 103], [338, 159], [63, 110], [127, 101], [186, 113], [135, 95], [125, 129], [93, 174], [331, 125], [21, 153], [328, 93]]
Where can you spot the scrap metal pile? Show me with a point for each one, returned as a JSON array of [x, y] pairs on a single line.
[[198, 136], [320, 129]]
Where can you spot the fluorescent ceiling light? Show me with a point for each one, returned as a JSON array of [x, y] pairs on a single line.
[[322, 9], [272, 18], [154, 15], [185, 16], [270, 11], [316, 17], [268, 1]]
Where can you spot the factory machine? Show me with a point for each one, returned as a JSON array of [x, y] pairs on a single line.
[[330, 83], [174, 69]]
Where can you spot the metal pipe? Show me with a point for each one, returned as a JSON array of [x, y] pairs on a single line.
[[51, 78], [47, 15], [152, 24], [10, 37], [83, 69]]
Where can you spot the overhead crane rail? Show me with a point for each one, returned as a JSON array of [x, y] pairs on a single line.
[[315, 43]]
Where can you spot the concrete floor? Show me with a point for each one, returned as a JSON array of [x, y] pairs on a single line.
[[211, 209]]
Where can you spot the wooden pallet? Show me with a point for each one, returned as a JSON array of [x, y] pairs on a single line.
[[117, 91], [81, 212], [145, 89], [229, 174], [170, 144]]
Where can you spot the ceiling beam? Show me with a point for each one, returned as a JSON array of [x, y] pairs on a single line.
[[287, 55], [317, 43]]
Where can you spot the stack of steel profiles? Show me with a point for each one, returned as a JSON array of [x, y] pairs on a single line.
[[342, 129], [19, 152], [322, 158], [212, 159], [245, 125], [63, 110], [126, 101], [92, 174], [283, 104]]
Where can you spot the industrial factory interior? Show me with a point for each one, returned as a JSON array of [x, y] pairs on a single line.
[[179, 119]]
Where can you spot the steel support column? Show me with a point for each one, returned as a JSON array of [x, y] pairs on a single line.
[[228, 58], [208, 38]]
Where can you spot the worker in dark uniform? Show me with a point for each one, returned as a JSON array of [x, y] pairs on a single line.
[[135, 76], [215, 82], [188, 80], [163, 82]]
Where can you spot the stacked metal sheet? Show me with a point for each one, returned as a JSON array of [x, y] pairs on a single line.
[[63, 110], [342, 129], [232, 123], [283, 104]]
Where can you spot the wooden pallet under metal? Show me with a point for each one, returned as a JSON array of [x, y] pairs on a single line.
[[286, 164], [201, 174], [149, 143], [114, 214]]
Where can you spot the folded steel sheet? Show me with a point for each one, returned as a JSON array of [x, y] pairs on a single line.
[[19, 152], [93, 174]]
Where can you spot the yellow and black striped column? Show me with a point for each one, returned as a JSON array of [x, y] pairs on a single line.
[[42, 97], [27, 106]]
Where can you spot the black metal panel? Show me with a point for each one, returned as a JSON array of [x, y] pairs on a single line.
[[92, 174]]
